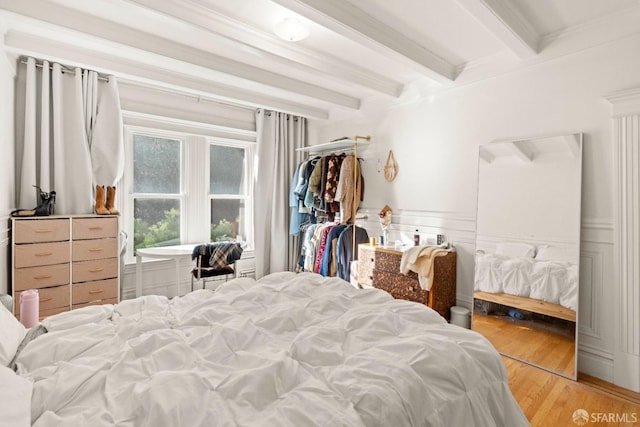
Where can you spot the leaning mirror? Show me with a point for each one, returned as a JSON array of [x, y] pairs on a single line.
[[528, 249]]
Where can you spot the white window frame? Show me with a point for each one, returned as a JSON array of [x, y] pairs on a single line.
[[195, 200], [249, 154]]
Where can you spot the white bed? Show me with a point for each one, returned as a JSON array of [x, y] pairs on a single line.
[[546, 280], [287, 350]]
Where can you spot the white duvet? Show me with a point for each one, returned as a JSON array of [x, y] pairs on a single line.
[[288, 350], [551, 281]]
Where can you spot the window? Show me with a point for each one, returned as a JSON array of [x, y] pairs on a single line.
[[157, 190], [170, 200], [227, 192]]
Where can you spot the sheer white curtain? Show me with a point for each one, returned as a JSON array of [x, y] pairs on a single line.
[[278, 137], [69, 137]]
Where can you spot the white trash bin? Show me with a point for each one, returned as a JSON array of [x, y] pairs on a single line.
[[461, 316]]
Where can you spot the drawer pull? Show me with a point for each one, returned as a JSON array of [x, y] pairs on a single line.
[[44, 254], [370, 277], [96, 270], [97, 291], [97, 227], [96, 249], [372, 259], [46, 299], [43, 276], [43, 230], [411, 288]]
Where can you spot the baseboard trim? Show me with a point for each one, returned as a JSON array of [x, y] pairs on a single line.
[[609, 388]]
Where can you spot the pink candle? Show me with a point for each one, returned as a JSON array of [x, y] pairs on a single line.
[[29, 307]]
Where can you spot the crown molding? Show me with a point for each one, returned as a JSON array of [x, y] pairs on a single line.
[[625, 102], [609, 29]]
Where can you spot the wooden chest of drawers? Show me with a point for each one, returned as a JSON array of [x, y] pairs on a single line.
[[73, 261], [379, 267]]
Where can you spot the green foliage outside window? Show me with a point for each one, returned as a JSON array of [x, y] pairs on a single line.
[[165, 232], [222, 232]]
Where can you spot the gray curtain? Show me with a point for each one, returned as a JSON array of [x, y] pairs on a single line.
[[68, 135], [278, 137]]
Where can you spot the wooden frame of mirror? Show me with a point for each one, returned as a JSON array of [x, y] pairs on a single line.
[[528, 249]]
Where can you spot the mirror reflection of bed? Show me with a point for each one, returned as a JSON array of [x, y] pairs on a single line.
[[527, 250]]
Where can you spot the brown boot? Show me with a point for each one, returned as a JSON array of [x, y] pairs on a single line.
[[100, 208], [111, 201]]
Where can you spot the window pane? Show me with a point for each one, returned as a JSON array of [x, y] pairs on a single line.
[[226, 170], [156, 165], [156, 222], [227, 220]]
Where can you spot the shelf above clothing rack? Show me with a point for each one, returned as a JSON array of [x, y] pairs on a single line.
[[339, 145]]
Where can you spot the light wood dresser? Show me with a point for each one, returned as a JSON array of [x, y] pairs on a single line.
[[73, 261], [379, 267]]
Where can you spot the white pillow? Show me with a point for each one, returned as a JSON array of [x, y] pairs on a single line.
[[15, 399], [516, 249], [11, 334]]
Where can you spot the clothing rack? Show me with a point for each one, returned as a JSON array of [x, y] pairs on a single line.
[[343, 144]]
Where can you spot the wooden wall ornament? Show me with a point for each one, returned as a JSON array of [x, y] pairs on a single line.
[[391, 167]]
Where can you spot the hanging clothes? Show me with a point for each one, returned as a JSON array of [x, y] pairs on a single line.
[[328, 264], [349, 192], [322, 244], [297, 217], [345, 250]]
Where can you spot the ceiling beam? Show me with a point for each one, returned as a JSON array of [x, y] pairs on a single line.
[[224, 69], [144, 75], [349, 21], [265, 45], [507, 24]]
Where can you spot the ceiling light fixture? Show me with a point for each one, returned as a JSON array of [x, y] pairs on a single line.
[[291, 30]]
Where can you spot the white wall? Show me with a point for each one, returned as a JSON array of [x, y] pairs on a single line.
[[7, 190], [436, 140]]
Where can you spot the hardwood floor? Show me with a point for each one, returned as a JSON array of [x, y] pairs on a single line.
[[549, 400], [526, 340]]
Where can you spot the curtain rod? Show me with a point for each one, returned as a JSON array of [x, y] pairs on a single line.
[[65, 68]]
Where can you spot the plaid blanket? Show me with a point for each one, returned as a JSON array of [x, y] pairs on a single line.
[[217, 255]]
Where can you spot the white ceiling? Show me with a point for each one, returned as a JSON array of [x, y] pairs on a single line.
[[360, 54]]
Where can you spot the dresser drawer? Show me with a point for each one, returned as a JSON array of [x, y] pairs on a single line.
[[385, 261], [400, 286], [86, 271], [94, 228], [97, 302], [41, 277], [379, 258], [50, 299], [36, 254], [40, 230], [94, 291], [84, 250]]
